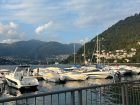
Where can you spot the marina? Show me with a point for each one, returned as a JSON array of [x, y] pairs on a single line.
[[45, 86]]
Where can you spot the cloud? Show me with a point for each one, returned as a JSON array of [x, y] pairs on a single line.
[[5, 28], [9, 33], [41, 28], [10, 40], [66, 15], [81, 41], [79, 14], [15, 26]]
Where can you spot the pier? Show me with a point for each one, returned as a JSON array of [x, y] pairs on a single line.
[[122, 93]]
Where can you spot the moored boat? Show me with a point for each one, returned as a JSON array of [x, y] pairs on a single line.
[[20, 80]]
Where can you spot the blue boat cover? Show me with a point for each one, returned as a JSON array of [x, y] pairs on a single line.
[[98, 66], [76, 66]]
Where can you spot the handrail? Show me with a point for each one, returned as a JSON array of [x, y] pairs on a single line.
[[63, 91]]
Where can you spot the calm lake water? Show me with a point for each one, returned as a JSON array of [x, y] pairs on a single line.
[[49, 86]]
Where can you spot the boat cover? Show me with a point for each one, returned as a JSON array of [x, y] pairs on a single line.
[[98, 66], [76, 66]]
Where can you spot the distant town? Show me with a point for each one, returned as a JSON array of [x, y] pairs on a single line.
[[118, 54], [47, 60]]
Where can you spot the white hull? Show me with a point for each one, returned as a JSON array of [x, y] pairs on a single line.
[[20, 80], [53, 77], [76, 77], [97, 74], [19, 84]]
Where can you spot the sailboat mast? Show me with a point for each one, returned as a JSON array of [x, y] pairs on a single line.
[[84, 53], [97, 48], [99, 53], [74, 53]]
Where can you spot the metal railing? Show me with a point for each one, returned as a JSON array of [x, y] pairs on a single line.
[[121, 93]]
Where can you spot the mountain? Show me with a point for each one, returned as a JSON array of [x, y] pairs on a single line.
[[125, 34], [2, 44], [35, 49], [20, 48], [77, 46], [52, 48]]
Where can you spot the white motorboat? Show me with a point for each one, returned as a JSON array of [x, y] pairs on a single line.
[[52, 76], [49, 75], [21, 79], [4, 71], [124, 71], [73, 75], [38, 71], [66, 74], [97, 74], [135, 70], [69, 68]]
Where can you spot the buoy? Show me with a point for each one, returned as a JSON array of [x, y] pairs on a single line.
[[44, 65]]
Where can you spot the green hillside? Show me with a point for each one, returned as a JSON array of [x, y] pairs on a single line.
[[35, 49], [125, 34]]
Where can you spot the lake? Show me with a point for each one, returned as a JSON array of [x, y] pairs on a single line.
[[45, 86]]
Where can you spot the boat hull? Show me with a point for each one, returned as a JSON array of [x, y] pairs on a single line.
[[97, 74], [20, 84], [76, 77]]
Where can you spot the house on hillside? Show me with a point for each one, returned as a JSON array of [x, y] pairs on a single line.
[[138, 43], [110, 51], [102, 51], [127, 60], [130, 55], [133, 49], [119, 51]]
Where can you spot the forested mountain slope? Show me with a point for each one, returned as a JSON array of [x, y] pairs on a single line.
[[125, 34]]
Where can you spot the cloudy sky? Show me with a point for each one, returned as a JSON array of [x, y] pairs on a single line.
[[63, 21]]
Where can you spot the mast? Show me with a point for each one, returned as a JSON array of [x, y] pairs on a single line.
[[84, 53], [99, 53], [97, 48], [74, 53]]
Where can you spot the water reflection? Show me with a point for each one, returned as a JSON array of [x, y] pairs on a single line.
[[76, 84], [99, 81], [12, 92]]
